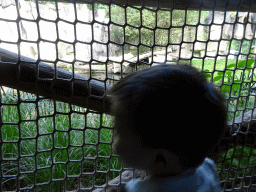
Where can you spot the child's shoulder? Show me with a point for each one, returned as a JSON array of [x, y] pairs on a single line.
[[203, 178], [207, 164], [207, 176]]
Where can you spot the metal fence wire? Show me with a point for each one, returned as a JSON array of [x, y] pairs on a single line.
[[57, 59]]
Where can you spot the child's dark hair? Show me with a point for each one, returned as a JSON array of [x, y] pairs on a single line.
[[170, 107]]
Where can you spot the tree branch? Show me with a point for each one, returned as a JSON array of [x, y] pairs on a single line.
[[30, 76]]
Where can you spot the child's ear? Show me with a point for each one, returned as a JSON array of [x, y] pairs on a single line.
[[162, 158], [160, 165], [165, 163], [161, 161], [159, 158]]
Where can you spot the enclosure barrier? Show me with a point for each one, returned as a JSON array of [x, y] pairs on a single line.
[[48, 145]]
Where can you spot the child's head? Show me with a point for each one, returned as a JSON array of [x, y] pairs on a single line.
[[166, 112]]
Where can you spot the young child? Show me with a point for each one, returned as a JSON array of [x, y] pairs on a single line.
[[168, 118]]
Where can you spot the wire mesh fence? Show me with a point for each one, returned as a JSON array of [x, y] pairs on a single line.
[[57, 59]]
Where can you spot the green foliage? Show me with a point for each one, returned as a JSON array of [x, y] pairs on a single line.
[[235, 81], [235, 70], [242, 73], [117, 17], [237, 159], [240, 160], [68, 69], [233, 13], [55, 133], [150, 21], [97, 6], [245, 46]]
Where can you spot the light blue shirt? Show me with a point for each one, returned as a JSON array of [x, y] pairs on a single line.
[[203, 178]]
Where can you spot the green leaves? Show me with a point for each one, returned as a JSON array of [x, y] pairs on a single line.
[[231, 66], [217, 78], [238, 157], [152, 26], [241, 66]]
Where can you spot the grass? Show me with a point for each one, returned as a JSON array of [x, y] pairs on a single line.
[[242, 77], [61, 147], [238, 161], [54, 146]]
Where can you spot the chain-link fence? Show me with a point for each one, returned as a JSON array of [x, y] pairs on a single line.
[[57, 59]]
